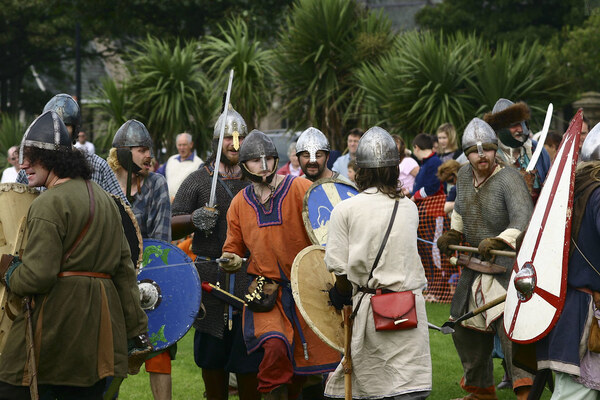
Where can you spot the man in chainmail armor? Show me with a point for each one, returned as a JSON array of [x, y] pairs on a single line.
[[492, 208], [217, 349]]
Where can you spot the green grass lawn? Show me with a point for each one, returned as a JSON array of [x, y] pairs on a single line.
[[447, 370]]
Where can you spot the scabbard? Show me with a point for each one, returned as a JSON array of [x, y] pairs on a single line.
[[223, 295]]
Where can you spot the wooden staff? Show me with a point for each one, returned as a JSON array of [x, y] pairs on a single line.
[[468, 249], [29, 344], [347, 361]]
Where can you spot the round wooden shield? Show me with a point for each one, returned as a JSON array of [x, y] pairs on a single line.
[[15, 200], [310, 287], [170, 291], [319, 200]]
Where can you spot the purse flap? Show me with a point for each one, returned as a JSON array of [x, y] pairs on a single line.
[[393, 305]]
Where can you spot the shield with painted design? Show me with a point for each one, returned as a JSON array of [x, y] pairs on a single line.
[[538, 284], [319, 200], [311, 282], [170, 292]]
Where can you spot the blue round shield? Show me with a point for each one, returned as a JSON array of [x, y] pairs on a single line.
[[319, 200], [170, 291]]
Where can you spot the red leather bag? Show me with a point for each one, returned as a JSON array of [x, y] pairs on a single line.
[[394, 311]]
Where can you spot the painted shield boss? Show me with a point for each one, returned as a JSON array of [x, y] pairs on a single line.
[[310, 287], [319, 200], [170, 292]]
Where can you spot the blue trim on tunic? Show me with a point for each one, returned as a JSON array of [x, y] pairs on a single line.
[[269, 217]]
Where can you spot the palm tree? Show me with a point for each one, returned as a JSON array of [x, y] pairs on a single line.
[[235, 48], [322, 45], [422, 84], [170, 93]]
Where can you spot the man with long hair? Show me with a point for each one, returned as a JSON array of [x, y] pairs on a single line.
[[357, 233], [76, 267]]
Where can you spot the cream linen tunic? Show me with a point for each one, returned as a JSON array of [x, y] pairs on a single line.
[[389, 363]]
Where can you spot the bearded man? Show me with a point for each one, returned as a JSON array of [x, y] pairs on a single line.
[[312, 149], [492, 208], [510, 121], [130, 158], [218, 350], [266, 219]]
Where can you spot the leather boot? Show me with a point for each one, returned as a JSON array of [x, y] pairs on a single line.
[[279, 393]]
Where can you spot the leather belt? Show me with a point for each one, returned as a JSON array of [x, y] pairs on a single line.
[[373, 291], [84, 273]]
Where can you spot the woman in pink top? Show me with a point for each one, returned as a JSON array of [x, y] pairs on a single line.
[[409, 168]]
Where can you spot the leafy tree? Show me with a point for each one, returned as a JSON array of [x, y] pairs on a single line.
[[253, 80], [575, 55], [322, 45], [515, 21], [11, 133]]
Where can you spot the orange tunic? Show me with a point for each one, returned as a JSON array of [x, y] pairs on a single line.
[[274, 236]]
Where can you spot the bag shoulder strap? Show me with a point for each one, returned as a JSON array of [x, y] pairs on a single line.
[[383, 242], [87, 225], [385, 239]]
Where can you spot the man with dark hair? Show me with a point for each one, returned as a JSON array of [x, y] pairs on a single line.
[[312, 149], [218, 349], [266, 219], [510, 121], [426, 182], [68, 110], [395, 364], [130, 158], [492, 208], [76, 266], [341, 164]]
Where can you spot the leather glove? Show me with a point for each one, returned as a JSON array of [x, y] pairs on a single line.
[[451, 237], [205, 218], [489, 244], [137, 349], [339, 300], [232, 264]]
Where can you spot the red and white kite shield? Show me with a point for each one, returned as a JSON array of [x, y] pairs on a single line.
[[545, 249]]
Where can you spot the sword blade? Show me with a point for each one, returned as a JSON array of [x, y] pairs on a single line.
[[542, 139], [213, 187]]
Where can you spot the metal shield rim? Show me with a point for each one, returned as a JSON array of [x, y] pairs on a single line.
[[305, 216], [296, 294]]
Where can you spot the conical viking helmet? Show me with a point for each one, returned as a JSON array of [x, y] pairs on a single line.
[[590, 151], [132, 134], [48, 131], [479, 136], [67, 109], [258, 145], [312, 140], [501, 105], [235, 126], [377, 148]]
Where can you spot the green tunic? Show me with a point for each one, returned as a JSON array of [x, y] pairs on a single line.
[[81, 324]]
